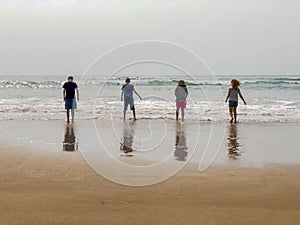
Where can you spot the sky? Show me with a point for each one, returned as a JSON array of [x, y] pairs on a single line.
[[234, 37]]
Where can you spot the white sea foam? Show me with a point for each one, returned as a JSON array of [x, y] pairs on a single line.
[[269, 99]]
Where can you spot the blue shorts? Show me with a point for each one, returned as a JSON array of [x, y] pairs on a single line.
[[70, 103], [233, 103], [128, 100]]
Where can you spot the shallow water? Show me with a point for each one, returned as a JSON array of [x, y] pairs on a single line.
[[270, 142], [158, 149], [269, 98]]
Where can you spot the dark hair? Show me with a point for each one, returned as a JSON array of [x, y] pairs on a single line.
[[70, 78], [127, 80], [181, 83]]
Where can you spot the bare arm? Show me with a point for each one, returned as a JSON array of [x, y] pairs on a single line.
[[229, 90], [186, 95], [77, 93], [137, 94], [240, 94], [64, 94]]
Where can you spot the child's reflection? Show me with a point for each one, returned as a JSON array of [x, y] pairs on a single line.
[[233, 144], [127, 140], [181, 148], [70, 143]]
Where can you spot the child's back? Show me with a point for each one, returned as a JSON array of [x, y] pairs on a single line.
[[233, 96], [128, 90], [181, 93], [127, 94]]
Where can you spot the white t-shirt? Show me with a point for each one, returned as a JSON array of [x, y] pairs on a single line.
[[181, 94], [128, 90]]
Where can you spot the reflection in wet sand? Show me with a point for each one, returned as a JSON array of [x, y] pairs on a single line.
[[70, 143], [234, 151], [181, 148], [127, 140]]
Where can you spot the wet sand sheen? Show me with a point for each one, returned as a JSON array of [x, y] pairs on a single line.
[[242, 144], [42, 184]]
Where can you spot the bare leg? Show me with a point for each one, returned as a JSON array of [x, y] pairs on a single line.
[[124, 114], [231, 114], [177, 113], [68, 115], [235, 114], [133, 112], [182, 114], [72, 113]]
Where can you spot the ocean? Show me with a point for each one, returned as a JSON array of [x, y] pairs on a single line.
[[271, 99]]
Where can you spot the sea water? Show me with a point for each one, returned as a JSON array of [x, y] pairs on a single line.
[[269, 98]]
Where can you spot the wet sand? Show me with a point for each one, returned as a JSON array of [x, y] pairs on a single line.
[[41, 184], [61, 189]]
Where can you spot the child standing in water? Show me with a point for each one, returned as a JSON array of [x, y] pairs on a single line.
[[127, 94], [233, 95], [69, 97], [181, 94]]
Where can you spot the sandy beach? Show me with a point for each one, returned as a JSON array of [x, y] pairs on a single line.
[[75, 75], [41, 184]]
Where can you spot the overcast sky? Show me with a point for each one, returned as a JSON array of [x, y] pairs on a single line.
[[44, 37]]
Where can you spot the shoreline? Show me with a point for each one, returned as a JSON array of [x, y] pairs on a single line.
[[143, 119]]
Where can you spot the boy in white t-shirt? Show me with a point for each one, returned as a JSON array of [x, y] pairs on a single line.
[[127, 95]]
